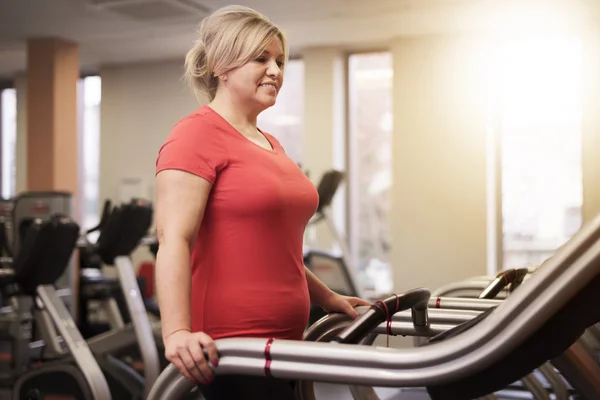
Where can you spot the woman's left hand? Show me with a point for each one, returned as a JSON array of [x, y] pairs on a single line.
[[344, 304]]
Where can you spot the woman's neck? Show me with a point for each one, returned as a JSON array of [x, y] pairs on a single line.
[[236, 116]]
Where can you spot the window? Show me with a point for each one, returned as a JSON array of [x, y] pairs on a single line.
[[285, 119], [370, 134], [541, 137], [90, 95], [8, 115]]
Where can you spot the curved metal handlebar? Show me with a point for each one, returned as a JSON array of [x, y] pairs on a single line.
[[416, 300], [512, 277]]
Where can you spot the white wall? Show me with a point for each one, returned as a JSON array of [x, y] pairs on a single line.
[[439, 163], [140, 105], [324, 127]]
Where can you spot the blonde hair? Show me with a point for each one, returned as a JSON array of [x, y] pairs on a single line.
[[229, 38]]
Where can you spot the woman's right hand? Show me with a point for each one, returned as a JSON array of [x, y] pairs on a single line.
[[184, 349]]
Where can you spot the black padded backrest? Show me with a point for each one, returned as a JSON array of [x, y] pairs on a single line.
[[126, 226], [106, 209], [88, 252], [45, 252], [548, 342], [327, 187]]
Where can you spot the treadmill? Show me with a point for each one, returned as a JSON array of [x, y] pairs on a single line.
[[540, 321]]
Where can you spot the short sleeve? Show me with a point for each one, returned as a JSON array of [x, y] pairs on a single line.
[[195, 146]]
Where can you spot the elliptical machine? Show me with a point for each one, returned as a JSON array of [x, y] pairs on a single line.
[[43, 257], [124, 382], [130, 331]]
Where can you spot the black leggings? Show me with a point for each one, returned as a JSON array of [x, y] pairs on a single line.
[[244, 387]]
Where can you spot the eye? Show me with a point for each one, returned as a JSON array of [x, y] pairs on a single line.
[[280, 64], [261, 59]]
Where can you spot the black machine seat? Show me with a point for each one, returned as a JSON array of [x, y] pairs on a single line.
[[126, 226], [45, 252], [551, 340]]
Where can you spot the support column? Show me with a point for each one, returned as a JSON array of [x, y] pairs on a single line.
[[52, 75]]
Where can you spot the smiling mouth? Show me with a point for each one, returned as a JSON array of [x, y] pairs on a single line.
[[268, 85]]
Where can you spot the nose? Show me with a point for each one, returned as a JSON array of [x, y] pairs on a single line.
[[273, 70]]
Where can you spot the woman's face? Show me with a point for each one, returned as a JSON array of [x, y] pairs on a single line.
[[258, 82]]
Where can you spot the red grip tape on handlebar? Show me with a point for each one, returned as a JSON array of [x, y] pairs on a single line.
[[268, 357], [388, 316]]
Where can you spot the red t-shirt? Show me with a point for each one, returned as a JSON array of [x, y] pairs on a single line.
[[247, 268]]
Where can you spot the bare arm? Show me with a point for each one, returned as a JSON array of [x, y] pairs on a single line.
[[329, 300], [181, 200], [318, 291]]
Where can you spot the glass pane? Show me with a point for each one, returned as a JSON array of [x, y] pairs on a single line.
[[90, 157], [370, 134], [9, 141], [542, 190], [285, 119]]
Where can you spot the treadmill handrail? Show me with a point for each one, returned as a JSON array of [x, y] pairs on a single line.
[[513, 320], [402, 322], [573, 266], [415, 300], [512, 277], [476, 285], [460, 303]]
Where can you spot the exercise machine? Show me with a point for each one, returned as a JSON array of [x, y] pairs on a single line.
[[27, 207], [45, 249], [124, 227], [540, 321]]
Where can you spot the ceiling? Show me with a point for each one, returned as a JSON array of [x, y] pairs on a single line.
[[127, 31]]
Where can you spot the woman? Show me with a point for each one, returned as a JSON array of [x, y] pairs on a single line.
[[234, 207]]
